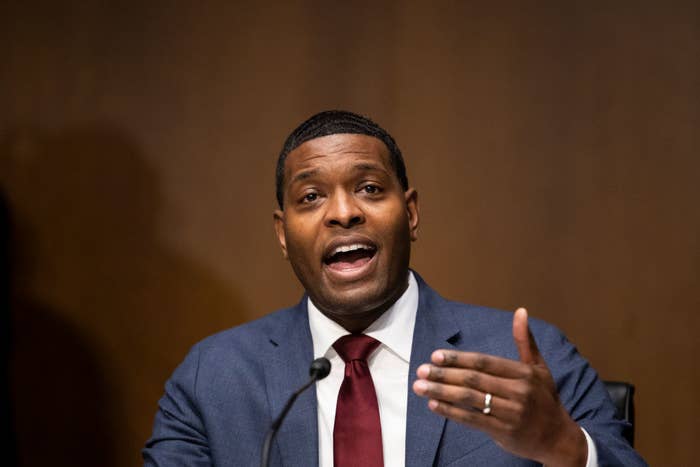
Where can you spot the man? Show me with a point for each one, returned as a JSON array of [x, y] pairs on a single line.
[[454, 384]]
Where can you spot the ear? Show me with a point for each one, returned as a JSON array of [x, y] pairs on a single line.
[[411, 197], [278, 216]]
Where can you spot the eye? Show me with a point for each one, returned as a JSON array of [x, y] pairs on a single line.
[[309, 198], [371, 189]]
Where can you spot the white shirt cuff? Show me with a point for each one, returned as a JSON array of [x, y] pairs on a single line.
[[592, 460]]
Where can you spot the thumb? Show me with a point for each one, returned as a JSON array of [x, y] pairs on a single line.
[[524, 341]]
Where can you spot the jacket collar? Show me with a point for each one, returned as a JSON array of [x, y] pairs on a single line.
[[287, 370], [435, 327]]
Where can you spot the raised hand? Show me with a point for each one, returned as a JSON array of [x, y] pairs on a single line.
[[514, 402]]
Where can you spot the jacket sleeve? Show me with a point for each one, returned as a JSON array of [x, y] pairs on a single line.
[[179, 436], [586, 399]]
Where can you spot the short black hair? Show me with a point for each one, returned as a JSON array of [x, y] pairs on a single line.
[[333, 122]]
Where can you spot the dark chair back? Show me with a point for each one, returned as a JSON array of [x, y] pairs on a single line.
[[622, 395]]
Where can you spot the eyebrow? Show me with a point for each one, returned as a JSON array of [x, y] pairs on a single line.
[[361, 167], [301, 176], [365, 166]]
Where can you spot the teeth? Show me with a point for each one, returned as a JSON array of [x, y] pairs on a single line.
[[347, 248]]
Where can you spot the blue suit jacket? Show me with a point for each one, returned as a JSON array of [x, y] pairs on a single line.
[[219, 403]]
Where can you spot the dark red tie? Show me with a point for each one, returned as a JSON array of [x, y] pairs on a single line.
[[357, 433]]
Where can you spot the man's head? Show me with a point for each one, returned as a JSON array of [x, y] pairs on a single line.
[[334, 122], [347, 216]]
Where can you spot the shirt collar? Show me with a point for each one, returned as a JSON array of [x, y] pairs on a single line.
[[394, 328]]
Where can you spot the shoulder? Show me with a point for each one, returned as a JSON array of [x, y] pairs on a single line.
[[495, 324], [214, 365], [248, 337], [486, 329], [488, 320]]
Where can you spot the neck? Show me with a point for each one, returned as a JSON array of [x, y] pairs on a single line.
[[357, 321], [357, 324]]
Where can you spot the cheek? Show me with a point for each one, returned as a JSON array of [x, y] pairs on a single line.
[[395, 227], [300, 242]]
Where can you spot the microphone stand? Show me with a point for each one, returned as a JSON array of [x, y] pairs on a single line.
[[319, 370]]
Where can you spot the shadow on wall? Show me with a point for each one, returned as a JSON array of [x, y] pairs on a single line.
[[101, 311], [6, 429]]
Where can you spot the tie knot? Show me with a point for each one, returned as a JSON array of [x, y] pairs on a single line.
[[355, 347]]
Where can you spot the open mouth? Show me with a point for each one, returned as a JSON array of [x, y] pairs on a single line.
[[349, 257]]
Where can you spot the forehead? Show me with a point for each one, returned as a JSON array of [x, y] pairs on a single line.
[[336, 148]]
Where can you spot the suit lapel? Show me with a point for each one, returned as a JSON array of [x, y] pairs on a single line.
[[435, 328], [288, 369]]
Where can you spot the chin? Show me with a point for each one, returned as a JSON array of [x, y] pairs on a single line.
[[356, 301]]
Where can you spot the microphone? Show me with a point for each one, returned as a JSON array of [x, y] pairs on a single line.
[[319, 369]]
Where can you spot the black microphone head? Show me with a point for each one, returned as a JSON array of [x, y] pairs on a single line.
[[320, 368]]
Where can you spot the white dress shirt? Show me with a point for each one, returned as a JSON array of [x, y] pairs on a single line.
[[388, 365]]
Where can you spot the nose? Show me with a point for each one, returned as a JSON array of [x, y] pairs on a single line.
[[343, 211]]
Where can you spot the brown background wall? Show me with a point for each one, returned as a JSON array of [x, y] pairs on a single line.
[[554, 145]]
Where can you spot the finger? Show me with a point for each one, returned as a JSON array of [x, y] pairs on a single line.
[[484, 382], [497, 366], [474, 418], [466, 398], [524, 340], [455, 395]]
